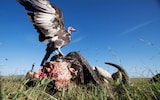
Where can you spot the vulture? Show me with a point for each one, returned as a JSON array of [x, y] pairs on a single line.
[[47, 19]]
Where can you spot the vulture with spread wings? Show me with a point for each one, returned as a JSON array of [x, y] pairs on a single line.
[[48, 21]]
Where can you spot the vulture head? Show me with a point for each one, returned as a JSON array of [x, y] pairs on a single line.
[[71, 29]]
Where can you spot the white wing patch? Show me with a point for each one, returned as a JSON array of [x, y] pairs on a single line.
[[46, 18], [46, 24], [54, 38]]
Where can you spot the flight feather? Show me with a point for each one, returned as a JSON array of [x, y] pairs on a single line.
[[46, 17]]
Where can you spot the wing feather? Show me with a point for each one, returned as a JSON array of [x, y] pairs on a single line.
[[46, 18]]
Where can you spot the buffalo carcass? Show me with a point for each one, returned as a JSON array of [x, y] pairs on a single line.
[[74, 69], [103, 74], [71, 69], [155, 78], [121, 74]]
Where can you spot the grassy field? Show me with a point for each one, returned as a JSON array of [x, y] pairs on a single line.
[[13, 88]]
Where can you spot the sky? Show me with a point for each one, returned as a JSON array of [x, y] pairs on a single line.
[[124, 32]]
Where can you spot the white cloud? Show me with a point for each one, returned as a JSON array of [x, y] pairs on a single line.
[[137, 27]]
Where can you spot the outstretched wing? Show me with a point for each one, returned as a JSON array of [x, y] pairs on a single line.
[[46, 18]]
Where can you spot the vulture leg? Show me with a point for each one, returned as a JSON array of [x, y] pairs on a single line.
[[57, 53], [60, 52]]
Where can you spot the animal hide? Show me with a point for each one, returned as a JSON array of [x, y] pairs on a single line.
[[73, 69]]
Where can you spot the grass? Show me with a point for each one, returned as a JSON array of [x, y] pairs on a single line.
[[13, 88]]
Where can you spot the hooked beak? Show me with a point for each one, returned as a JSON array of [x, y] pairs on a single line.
[[73, 30]]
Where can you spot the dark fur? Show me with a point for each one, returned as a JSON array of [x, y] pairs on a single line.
[[155, 78]]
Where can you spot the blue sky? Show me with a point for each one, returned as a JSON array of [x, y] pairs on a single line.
[[124, 32]]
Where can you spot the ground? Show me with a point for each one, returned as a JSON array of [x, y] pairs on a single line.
[[138, 88]]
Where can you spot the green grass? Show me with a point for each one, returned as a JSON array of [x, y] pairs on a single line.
[[13, 88]]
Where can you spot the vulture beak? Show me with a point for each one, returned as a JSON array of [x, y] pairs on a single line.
[[73, 29]]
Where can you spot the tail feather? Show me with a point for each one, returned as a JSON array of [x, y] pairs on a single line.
[[50, 48], [45, 58]]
